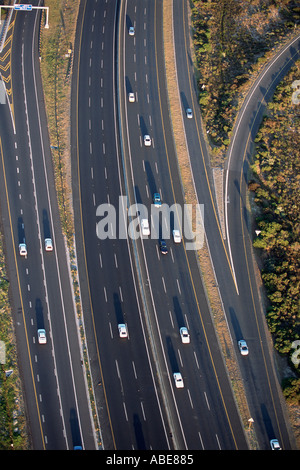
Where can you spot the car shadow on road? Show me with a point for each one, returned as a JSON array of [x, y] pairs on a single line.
[[172, 355], [39, 314], [235, 324], [118, 308]]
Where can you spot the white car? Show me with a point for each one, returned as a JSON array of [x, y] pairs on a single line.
[[145, 227], [178, 380], [131, 97], [23, 249], [275, 444], [176, 236], [185, 337], [48, 244], [42, 339], [189, 113], [123, 333], [243, 347], [147, 140], [131, 31]]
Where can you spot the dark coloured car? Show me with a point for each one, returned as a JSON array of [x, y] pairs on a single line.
[[163, 247]]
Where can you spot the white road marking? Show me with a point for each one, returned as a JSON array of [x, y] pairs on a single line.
[[207, 401]]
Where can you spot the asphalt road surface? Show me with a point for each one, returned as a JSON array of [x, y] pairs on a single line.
[[40, 285], [129, 281]]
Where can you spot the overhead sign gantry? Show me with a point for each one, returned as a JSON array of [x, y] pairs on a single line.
[[27, 7]]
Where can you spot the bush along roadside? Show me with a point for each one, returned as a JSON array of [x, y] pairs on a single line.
[[276, 184], [232, 40]]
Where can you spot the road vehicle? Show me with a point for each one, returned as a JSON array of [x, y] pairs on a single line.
[[131, 31], [131, 97], [176, 236], [189, 113], [243, 347], [275, 444], [123, 333], [178, 380], [147, 140], [42, 338], [145, 227], [48, 244], [156, 199], [163, 247], [184, 334], [23, 249]]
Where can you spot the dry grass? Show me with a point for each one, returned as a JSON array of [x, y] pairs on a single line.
[[56, 65]]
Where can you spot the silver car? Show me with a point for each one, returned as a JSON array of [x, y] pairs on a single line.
[[189, 113], [275, 444], [243, 347]]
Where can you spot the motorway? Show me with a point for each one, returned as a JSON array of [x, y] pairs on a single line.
[[231, 253], [129, 281], [107, 274], [56, 400]]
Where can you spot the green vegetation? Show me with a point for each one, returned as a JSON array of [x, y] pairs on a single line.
[[231, 40], [276, 170]]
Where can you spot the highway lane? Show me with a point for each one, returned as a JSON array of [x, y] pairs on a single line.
[[20, 283], [124, 380], [176, 285], [55, 391], [271, 416], [232, 259]]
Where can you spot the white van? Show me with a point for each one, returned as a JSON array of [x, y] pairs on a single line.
[[145, 227]]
